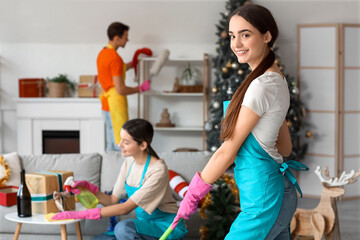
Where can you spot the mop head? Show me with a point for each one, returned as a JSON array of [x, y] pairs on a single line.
[[159, 63]]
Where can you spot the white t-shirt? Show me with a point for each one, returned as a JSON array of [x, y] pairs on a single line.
[[155, 191], [268, 96]]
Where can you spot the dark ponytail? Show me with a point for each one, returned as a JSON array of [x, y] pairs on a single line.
[[262, 20]]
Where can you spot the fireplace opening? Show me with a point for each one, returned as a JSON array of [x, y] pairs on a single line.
[[55, 142]]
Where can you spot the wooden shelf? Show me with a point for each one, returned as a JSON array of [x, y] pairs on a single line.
[[188, 110]]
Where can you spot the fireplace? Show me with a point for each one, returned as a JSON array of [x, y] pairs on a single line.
[[61, 142], [59, 125]]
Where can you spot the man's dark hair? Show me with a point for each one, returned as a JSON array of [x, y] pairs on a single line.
[[116, 29]]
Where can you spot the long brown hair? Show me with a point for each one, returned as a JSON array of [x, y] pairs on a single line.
[[141, 131], [263, 21]]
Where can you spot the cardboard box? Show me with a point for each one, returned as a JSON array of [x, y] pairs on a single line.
[[31, 87], [89, 86], [8, 195], [42, 186]]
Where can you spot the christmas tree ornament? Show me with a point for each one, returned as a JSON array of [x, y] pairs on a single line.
[[309, 134], [216, 105], [216, 126], [229, 91], [224, 34], [289, 123], [214, 89], [295, 90], [234, 65], [208, 126], [213, 148], [225, 70], [228, 64], [241, 72]]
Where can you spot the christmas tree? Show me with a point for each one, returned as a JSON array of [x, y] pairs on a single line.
[[220, 205]]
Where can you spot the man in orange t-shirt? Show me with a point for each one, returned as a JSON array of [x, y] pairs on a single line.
[[111, 75]]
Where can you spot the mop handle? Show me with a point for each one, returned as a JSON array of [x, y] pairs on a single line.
[[167, 232]]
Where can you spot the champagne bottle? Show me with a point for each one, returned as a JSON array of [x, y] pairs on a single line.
[[23, 198]]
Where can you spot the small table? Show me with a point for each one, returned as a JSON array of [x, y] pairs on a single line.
[[37, 218]]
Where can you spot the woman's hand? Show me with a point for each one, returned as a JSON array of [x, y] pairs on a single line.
[[188, 206], [85, 184], [93, 214]]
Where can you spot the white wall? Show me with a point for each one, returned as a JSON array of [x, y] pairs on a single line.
[[42, 38]]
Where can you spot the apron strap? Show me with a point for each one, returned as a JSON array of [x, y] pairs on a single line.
[[145, 169], [285, 170], [129, 169]]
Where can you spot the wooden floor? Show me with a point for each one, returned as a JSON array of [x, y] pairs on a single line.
[[349, 215]]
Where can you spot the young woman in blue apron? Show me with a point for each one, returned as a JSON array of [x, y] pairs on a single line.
[[255, 135], [144, 180]]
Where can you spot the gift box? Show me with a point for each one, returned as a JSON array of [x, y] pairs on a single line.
[[42, 186], [8, 195], [89, 86], [31, 87]]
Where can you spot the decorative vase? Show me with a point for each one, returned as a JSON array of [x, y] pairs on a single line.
[[56, 89]]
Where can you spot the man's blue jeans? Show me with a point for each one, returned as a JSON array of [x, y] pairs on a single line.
[[109, 132]]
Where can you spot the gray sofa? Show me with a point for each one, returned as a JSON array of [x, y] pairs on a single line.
[[102, 170]]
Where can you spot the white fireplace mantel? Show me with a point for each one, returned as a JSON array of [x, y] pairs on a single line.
[[75, 114]]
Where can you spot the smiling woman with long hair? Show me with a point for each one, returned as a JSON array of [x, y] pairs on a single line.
[[256, 136]]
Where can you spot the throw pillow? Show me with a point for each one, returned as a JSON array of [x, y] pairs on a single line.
[[178, 183], [13, 161]]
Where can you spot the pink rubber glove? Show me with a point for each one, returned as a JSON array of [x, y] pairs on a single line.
[[188, 206], [93, 214], [145, 86], [85, 184]]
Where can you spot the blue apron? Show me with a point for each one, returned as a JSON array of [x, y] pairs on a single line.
[[261, 187], [154, 224]]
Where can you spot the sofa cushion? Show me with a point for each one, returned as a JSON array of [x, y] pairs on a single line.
[[85, 166], [110, 169], [186, 163]]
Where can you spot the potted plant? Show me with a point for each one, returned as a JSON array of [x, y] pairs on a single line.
[[57, 85], [191, 75]]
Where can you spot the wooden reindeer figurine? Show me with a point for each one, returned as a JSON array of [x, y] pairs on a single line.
[[323, 219]]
